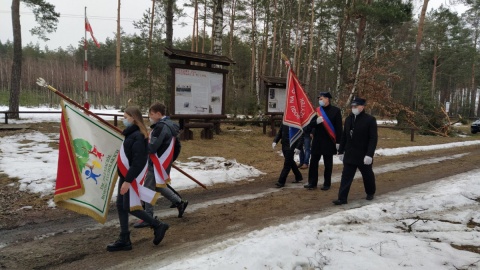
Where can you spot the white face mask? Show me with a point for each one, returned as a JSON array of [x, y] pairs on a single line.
[[151, 121], [321, 103], [355, 111]]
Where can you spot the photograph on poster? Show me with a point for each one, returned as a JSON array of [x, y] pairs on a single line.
[[183, 90], [276, 100], [198, 92]]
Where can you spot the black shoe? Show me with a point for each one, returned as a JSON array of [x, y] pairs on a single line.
[[181, 207], [159, 231], [141, 224], [325, 188], [339, 202], [297, 181], [279, 185], [309, 186], [122, 243], [369, 197]]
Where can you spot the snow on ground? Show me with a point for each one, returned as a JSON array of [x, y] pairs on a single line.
[[414, 228]]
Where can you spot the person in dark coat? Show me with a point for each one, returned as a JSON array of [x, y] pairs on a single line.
[[135, 150], [163, 131], [357, 147], [288, 154], [326, 137]]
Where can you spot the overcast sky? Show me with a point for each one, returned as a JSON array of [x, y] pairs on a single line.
[[102, 15]]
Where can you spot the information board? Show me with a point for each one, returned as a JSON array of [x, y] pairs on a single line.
[[276, 100], [198, 91]]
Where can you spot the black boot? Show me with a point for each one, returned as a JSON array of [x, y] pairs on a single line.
[[122, 243], [159, 230], [181, 206]]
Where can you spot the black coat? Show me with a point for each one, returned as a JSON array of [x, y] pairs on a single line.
[[135, 147], [283, 136], [362, 141], [322, 143]]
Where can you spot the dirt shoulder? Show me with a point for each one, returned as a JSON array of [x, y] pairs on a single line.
[[54, 238]]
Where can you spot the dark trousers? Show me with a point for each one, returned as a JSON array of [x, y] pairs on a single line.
[[289, 164], [313, 170], [123, 208], [348, 174]]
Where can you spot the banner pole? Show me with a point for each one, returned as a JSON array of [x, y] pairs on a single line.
[[43, 83]]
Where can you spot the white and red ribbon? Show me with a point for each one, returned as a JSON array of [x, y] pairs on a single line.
[[137, 192], [160, 165]]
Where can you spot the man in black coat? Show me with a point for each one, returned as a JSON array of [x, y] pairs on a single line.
[[326, 135], [288, 154], [357, 147]]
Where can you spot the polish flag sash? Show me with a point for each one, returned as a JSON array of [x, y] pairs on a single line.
[[327, 124], [137, 191], [161, 164]]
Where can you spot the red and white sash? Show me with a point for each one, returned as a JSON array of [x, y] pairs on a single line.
[[137, 192], [160, 165]]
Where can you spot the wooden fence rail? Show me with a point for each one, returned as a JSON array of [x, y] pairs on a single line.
[[264, 123]]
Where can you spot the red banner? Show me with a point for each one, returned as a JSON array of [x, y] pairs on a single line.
[[69, 183], [298, 109]]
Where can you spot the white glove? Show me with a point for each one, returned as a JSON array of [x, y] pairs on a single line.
[[319, 120], [367, 160], [296, 151], [340, 157], [337, 146], [273, 145]]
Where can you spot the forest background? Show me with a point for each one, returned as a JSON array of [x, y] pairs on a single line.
[[407, 68]]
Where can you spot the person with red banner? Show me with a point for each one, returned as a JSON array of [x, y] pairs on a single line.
[[132, 168], [297, 115], [327, 129]]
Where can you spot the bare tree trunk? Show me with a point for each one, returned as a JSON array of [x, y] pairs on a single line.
[[204, 26], [413, 88], [149, 53], [341, 45], [230, 54], [359, 38], [274, 37], [169, 24], [299, 57], [472, 81], [310, 52], [254, 44], [118, 75], [218, 28], [354, 88], [278, 69], [263, 64], [299, 22], [14, 101], [195, 23]]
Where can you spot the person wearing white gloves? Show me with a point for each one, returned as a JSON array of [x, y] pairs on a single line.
[[326, 131], [357, 148], [288, 154]]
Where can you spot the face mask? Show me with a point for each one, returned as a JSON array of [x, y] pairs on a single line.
[[126, 123], [355, 111], [321, 103], [151, 121]]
